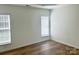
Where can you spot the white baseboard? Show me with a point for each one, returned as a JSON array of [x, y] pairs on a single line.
[[66, 43]]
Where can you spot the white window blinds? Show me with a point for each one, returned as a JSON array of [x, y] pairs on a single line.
[[5, 36], [44, 26]]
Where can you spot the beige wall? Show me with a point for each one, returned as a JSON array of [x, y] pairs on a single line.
[[65, 25], [25, 25]]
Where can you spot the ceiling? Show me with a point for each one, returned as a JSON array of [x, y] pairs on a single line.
[[47, 4], [44, 6]]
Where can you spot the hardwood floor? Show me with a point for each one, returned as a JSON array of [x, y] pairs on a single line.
[[48, 47]]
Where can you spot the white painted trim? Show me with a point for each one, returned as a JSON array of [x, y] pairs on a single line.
[[5, 42], [66, 43]]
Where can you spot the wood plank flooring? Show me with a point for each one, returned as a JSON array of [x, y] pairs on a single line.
[[48, 47]]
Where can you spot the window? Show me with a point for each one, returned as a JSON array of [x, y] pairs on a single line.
[[5, 36], [44, 26]]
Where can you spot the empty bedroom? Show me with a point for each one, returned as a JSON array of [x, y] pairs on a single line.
[[39, 29]]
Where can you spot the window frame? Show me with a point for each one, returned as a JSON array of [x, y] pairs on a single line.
[[48, 27], [9, 41]]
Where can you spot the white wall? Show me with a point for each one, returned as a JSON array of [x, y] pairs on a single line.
[[25, 25], [65, 25]]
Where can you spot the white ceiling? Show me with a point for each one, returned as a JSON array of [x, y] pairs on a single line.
[[44, 6]]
